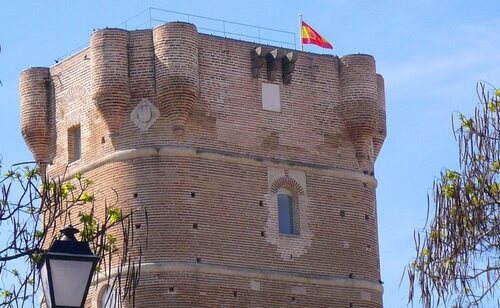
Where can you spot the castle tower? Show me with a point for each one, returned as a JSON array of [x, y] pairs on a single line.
[[255, 163]]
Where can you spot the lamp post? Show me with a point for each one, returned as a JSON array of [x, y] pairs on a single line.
[[66, 271]]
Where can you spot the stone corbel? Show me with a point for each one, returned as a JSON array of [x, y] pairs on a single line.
[[288, 66], [258, 60], [273, 63]]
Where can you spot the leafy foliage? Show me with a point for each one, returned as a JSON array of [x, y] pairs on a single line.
[[32, 211], [457, 256]]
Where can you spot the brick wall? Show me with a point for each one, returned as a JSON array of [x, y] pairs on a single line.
[[173, 121]]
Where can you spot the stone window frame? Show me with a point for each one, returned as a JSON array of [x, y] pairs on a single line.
[[288, 246]]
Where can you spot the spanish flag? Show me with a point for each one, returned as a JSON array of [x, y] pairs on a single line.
[[310, 36]]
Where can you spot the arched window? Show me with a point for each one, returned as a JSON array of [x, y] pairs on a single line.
[[286, 213], [108, 298]]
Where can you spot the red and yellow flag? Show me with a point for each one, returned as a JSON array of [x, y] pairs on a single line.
[[310, 36]]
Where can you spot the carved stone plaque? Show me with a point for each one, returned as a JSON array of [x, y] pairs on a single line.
[[144, 114]]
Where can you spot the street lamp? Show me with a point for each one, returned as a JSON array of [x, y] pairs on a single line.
[[66, 271]]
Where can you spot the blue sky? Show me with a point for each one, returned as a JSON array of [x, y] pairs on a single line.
[[431, 54]]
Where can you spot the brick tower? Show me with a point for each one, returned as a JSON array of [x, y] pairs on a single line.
[[255, 163]]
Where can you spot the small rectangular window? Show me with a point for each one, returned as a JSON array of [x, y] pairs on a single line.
[[74, 144]]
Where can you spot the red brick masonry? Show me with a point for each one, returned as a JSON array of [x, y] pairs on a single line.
[[173, 120]]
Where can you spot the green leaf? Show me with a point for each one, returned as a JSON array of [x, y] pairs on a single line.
[[78, 176], [449, 263], [495, 189], [448, 190], [114, 214], [38, 234], [66, 188], [469, 189], [495, 166], [86, 219], [5, 293], [86, 197], [87, 234], [467, 123], [37, 257], [452, 176], [110, 244], [31, 172], [435, 234], [493, 106], [89, 226], [110, 238]]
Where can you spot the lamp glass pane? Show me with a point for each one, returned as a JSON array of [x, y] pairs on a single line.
[[45, 284], [69, 279]]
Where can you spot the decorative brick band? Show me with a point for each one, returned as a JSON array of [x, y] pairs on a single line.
[[218, 155], [287, 182], [251, 273]]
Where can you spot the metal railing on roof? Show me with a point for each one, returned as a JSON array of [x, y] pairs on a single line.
[[152, 17]]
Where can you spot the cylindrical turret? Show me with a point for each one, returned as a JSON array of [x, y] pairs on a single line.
[[360, 103], [176, 68], [381, 130], [110, 75], [35, 92]]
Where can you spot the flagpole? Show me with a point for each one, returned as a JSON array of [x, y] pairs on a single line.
[[300, 32]]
